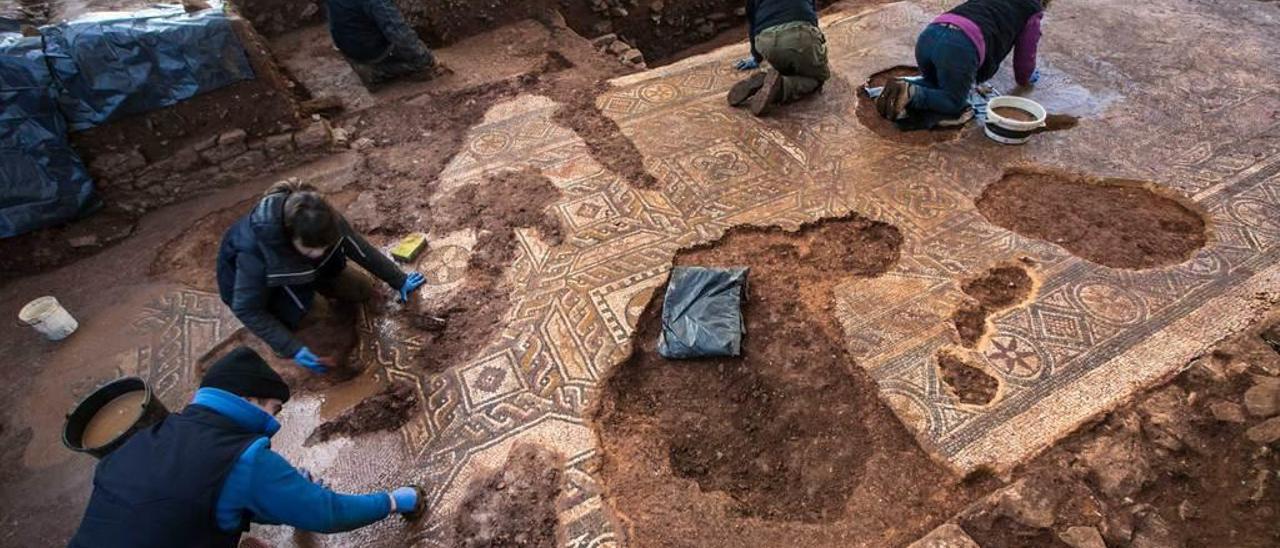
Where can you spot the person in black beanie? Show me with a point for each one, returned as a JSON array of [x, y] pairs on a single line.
[[200, 477]]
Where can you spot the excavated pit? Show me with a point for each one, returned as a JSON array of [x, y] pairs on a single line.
[[968, 383], [995, 290], [791, 433], [1119, 223], [515, 506], [878, 125]]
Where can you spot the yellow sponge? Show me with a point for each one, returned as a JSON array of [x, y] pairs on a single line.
[[409, 248]]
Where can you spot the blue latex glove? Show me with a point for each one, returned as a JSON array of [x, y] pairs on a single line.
[[412, 283], [1035, 77], [746, 63], [308, 359], [404, 500]]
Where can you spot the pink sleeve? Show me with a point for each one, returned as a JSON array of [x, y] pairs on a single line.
[[1024, 55]]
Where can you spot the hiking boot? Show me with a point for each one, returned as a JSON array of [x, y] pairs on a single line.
[[745, 88], [892, 102], [959, 120], [769, 94]]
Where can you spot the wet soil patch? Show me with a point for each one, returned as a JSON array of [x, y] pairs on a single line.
[[1059, 122], [1112, 222], [995, 290], [515, 506], [50, 248], [970, 384], [389, 409], [872, 120], [789, 432], [1175, 467], [495, 209], [191, 257]]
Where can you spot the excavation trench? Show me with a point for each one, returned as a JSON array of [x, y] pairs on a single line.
[[791, 433]]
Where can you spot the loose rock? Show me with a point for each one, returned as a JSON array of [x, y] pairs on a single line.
[[1083, 537], [1265, 433], [947, 535], [1226, 411], [1263, 399]]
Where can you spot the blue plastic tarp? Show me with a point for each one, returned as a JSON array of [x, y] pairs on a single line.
[[702, 313], [42, 180], [111, 65]]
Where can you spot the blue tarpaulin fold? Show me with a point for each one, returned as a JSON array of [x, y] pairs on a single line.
[[42, 180], [702, 313], [86, 72], [112, 65]]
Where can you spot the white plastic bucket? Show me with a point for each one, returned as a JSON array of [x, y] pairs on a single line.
[[49, 318], [1010, 131]]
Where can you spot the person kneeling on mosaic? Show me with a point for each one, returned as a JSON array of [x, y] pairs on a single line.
[[274, 260], [784, 33], [374, 37], [200, 477], [960, 48]]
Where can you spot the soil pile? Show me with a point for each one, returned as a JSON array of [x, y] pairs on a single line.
[[387, 410], [514, 507], [1186, 464], [997, 289], [1112, 222], [878, 125], [792, 432]]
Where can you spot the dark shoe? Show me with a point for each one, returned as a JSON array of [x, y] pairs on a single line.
[[892, 102], [744, 89], [770, 92]]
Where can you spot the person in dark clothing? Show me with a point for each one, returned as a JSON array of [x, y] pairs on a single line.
[[375, 38], [963, 47], [200, 477], [785, 33], [293, 245]]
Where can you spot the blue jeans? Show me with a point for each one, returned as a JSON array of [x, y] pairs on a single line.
[[948, 64]]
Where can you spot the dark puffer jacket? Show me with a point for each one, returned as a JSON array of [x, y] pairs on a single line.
[[270, 286]]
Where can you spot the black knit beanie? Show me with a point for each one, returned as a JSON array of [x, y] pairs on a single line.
[[244, 373]]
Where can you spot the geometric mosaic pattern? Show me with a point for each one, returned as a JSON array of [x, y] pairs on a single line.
[[1091, 337]]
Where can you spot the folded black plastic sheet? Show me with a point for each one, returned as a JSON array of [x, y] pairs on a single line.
[[42, 180], [702, 313], [111, 65]]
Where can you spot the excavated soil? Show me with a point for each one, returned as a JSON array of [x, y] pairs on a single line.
[[191, 257], [872, 120], [604, 139], [969, 384], [1112, 222], [495, 209], [791, 433], [389, 409], [514, 507], [1176, 467], [993, 291], [661, 29]]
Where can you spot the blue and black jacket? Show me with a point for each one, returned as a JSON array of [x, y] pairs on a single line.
[[200, 477], [270, 286]]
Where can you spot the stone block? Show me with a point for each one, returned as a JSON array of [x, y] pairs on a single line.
[[115, 164]]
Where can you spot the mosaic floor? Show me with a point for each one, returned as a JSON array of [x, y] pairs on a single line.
[[1090, 339]]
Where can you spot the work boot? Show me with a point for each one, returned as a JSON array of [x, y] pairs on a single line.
[[892, 102], [744, 89], [769, 94]]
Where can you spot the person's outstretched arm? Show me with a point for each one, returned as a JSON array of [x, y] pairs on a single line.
[[249, 304], [1024, 55], [371, 259], [280, 494]]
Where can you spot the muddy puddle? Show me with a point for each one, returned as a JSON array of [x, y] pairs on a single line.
[[744, 451], [1113, 222]]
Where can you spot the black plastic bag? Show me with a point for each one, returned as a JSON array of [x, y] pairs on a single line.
[[702, 313]]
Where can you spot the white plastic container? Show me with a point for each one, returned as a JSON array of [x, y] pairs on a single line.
[[1009, 131], [48, 317]]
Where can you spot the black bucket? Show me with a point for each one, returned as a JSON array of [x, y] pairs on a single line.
[[153, 411]]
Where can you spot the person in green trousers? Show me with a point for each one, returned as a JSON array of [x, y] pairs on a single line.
[[785, 34]]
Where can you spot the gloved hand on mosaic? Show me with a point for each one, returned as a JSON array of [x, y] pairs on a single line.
[[411, 284], [410, 502], [746, 63], [308, 359]]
